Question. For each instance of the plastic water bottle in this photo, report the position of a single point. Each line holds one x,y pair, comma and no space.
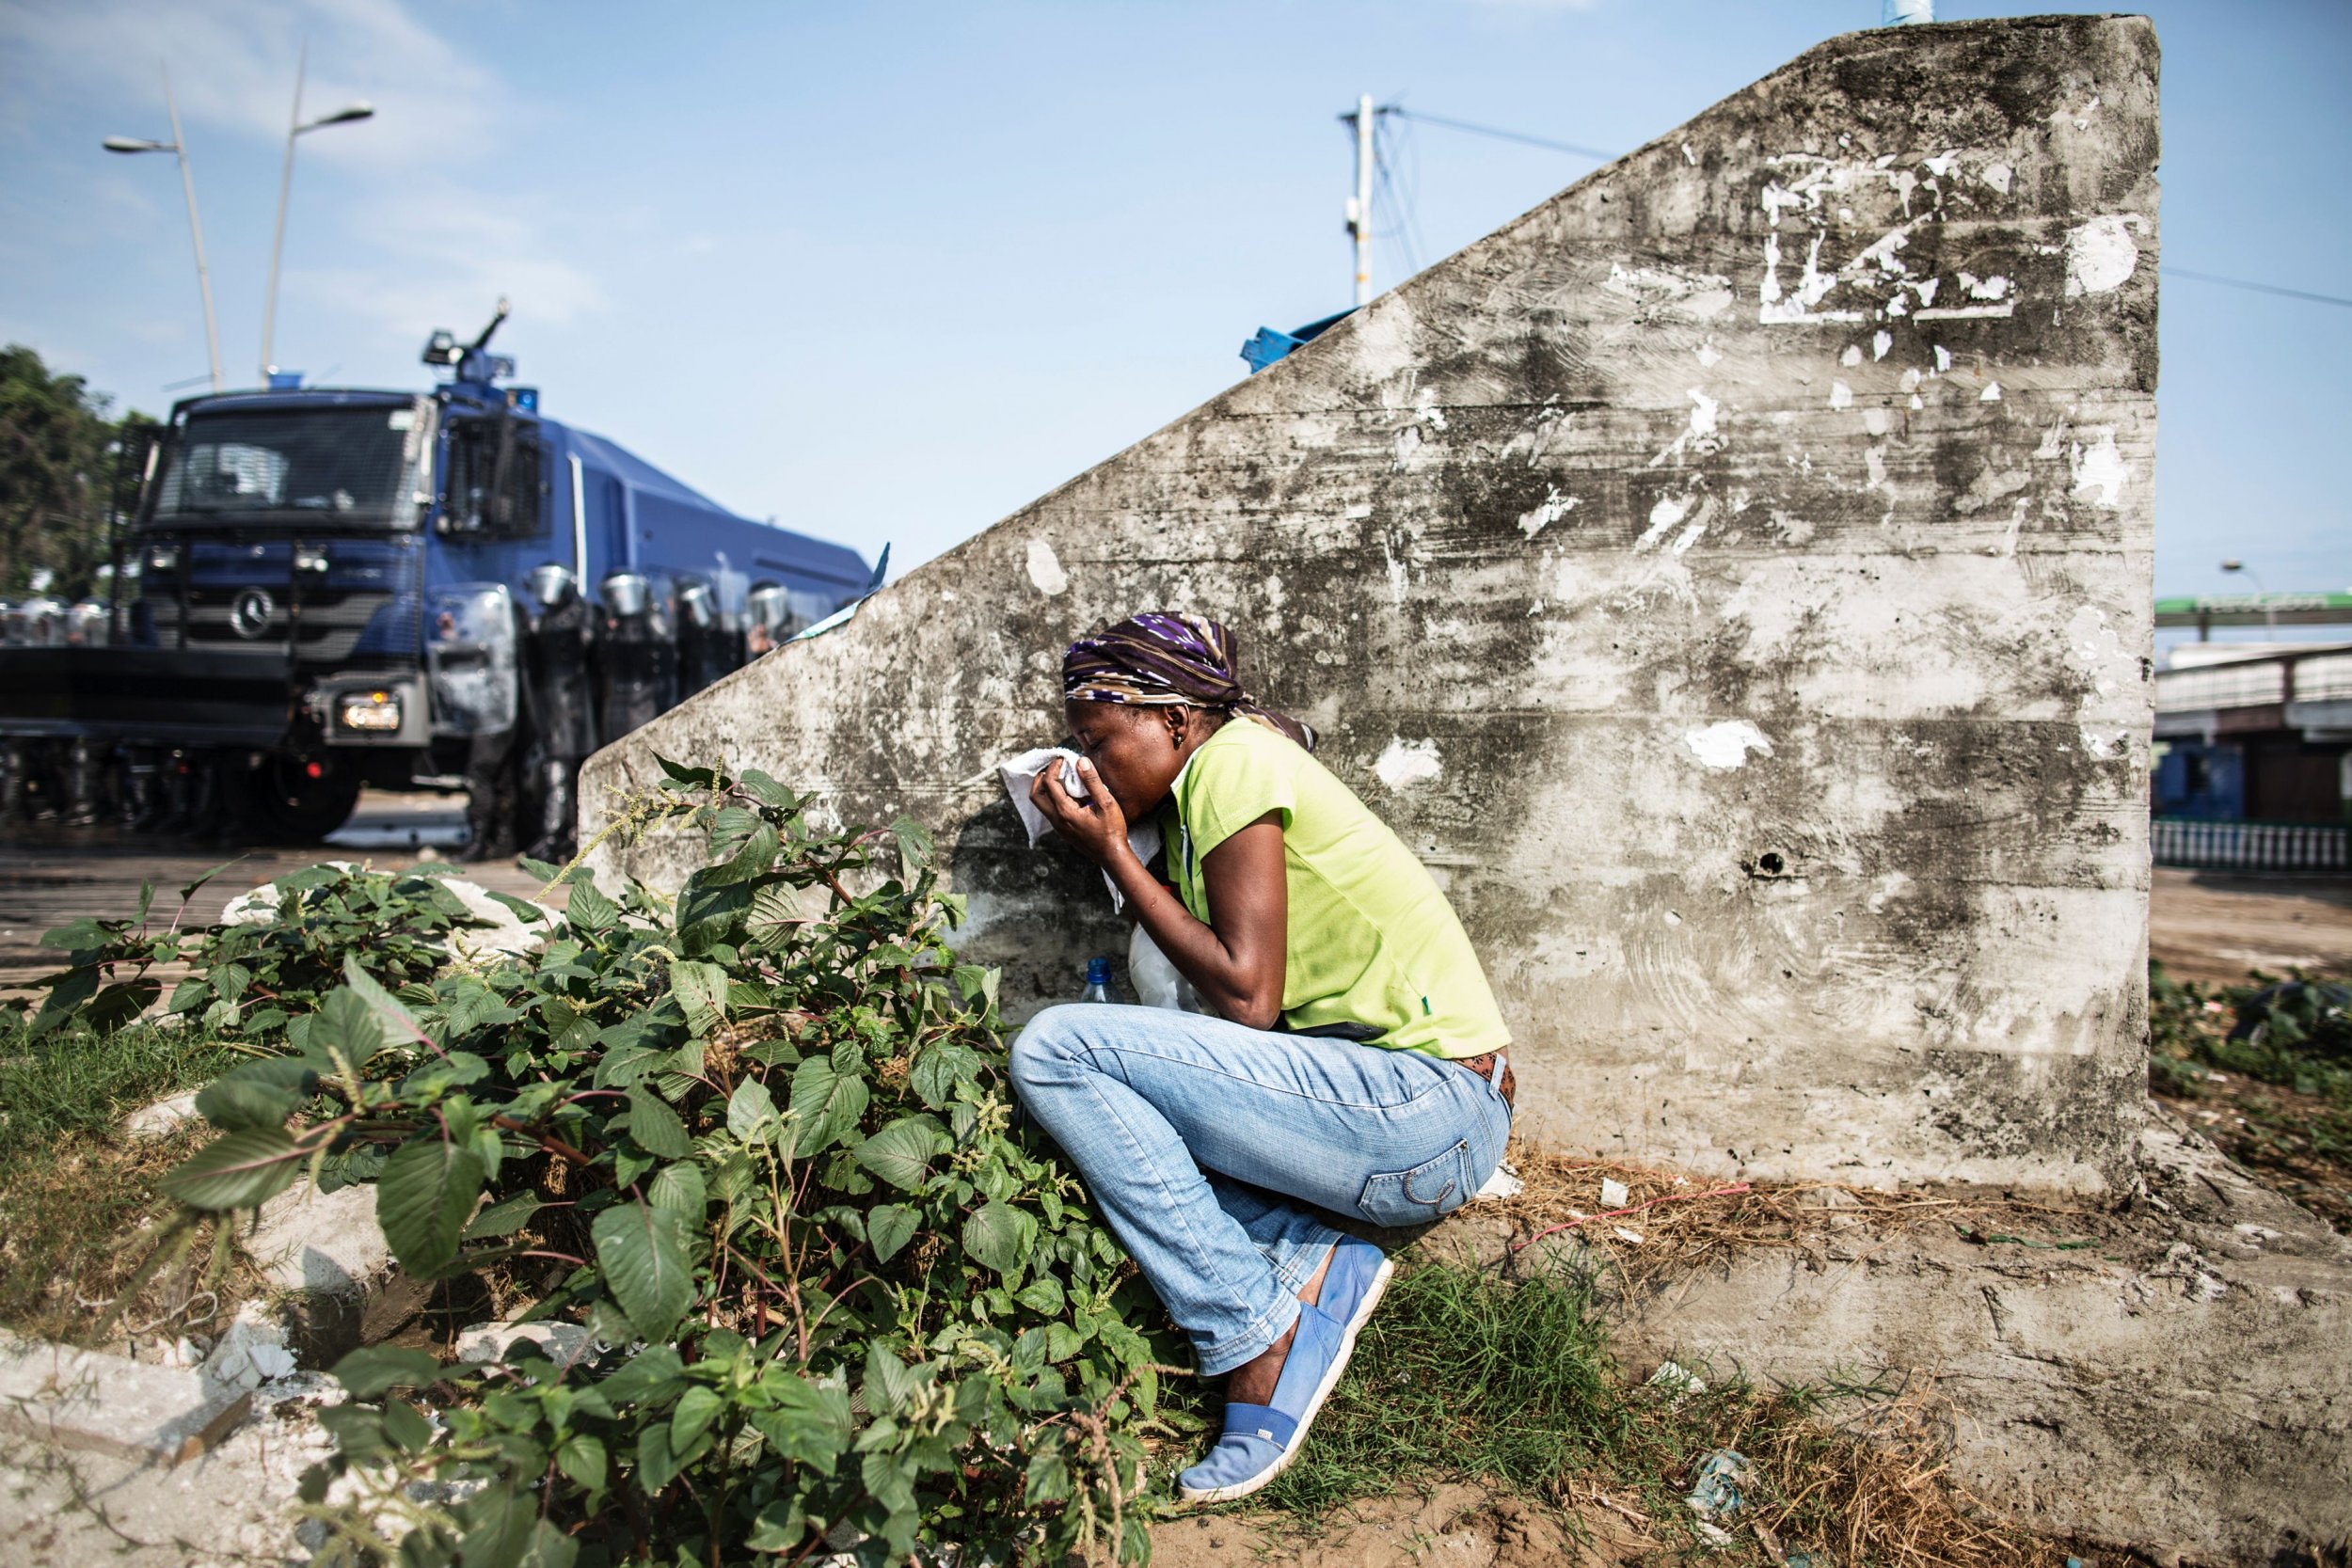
1098,981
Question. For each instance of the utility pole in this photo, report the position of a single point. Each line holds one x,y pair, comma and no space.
178,147
1359,205
195,234
295,127
277,239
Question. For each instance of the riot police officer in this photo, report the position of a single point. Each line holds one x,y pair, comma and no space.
706,647
772,621
559,698
636,659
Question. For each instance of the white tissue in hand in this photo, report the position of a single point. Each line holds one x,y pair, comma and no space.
1020,772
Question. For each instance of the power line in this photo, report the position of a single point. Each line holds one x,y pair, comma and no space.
2257,287
1498,134
1395,195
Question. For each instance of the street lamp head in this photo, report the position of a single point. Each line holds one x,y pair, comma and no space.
132,144
343,116
2233,565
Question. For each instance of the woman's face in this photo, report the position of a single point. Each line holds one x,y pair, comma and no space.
1137,749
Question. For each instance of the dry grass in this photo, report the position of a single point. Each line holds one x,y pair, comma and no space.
1679,1222
79,1230
1875,1488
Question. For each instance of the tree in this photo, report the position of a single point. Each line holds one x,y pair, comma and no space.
66,471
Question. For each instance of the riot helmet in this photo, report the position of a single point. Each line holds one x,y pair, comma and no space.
626,594
552,585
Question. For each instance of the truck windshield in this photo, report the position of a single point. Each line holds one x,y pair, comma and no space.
349,464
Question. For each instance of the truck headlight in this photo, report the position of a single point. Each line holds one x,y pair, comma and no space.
369,712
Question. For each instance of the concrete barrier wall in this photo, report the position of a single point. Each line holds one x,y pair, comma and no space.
1732,577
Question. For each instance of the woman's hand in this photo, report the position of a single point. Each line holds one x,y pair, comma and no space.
1096,825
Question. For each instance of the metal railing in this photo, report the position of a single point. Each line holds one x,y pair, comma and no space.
2249,685
2250,846
2256,682
2325,677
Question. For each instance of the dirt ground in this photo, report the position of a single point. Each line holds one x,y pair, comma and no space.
52,874
2219,926
1451,1526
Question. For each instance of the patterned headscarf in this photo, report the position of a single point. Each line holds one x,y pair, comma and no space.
1162,657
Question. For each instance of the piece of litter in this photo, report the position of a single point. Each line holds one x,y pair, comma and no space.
1674,1376
1715,1535
1625,1235
1505,1183
1614,1193
1716,1495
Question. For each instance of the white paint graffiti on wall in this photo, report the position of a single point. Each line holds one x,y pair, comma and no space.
2101,255
1045,570
1726,744
1406,763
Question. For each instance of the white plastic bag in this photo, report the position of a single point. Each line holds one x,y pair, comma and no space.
1157,982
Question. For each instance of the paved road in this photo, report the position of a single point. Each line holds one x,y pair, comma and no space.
50,876
2217,926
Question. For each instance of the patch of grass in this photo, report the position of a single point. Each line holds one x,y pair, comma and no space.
1471,1375
78,1198
2277,1099
1465,1375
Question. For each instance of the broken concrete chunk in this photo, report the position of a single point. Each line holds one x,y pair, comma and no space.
491,1341
78,1399
162,1119
252,1351
502,933
326,1241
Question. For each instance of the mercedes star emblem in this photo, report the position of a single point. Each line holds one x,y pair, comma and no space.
248,617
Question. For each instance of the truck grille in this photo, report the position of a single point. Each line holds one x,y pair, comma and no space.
228,620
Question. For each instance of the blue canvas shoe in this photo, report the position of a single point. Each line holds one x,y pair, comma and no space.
1353,1284
1260,1440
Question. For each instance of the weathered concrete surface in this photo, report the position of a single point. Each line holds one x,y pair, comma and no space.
230,1507
2182,1386
330,1242
1732,577
78,1399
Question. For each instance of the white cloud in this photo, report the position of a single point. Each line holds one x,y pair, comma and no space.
233,68
431,221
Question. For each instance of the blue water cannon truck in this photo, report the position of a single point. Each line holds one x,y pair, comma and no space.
327,588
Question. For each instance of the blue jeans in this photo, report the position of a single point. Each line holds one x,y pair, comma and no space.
1191,1132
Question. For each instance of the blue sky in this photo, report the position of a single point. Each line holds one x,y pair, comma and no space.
891,271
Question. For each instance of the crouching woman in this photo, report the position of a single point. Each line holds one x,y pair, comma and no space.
1355,1065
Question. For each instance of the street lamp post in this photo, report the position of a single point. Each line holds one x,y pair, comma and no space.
295,127
2270,611
179,144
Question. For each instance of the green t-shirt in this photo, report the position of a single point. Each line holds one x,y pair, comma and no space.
1372,940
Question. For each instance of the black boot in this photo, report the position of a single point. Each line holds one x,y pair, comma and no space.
556,806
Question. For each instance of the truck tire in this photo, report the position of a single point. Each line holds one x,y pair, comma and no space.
291,806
